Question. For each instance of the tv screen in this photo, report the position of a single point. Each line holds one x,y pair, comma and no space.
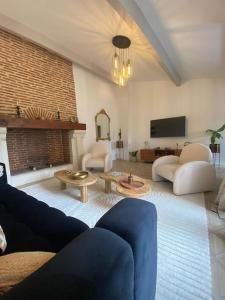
170,127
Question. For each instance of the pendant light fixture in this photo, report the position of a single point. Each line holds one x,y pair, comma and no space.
121,63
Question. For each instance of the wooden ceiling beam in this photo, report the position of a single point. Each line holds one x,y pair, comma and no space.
145,16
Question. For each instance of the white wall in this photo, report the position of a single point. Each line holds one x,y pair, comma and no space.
93,94
202,101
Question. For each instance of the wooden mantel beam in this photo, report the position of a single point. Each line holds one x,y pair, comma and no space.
144,14
15,122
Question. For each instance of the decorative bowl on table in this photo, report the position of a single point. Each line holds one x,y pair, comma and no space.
78,175
133,185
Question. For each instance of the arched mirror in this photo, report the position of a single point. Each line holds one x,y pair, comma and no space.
102,124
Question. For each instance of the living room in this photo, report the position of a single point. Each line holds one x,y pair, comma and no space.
79,137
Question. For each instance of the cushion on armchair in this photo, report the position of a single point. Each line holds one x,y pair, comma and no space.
167,171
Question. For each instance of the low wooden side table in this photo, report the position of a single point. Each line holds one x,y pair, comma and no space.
109,178
82,184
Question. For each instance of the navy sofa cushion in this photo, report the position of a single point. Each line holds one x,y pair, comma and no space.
34,222
136,222
20,237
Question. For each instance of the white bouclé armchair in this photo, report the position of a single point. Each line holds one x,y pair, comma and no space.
98,157
190,173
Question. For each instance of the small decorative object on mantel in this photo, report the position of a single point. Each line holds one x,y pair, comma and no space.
18,110
38,113
73,119
58,115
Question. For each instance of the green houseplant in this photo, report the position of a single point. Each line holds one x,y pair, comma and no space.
216,135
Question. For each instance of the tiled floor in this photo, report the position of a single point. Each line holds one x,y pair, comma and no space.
216,226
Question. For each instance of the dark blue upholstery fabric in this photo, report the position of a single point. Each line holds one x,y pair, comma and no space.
35,221
97,265
20,237
115,262
136,222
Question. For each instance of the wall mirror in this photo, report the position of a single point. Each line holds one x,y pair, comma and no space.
102,124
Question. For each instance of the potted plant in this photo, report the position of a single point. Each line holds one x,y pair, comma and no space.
215,135
133,155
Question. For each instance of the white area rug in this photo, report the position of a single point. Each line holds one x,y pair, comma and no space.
184,271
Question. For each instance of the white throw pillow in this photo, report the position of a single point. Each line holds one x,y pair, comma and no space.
3,243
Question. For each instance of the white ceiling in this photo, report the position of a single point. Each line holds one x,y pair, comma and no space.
85,28
194,30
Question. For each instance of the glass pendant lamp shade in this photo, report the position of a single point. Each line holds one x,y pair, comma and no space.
121,63
115,61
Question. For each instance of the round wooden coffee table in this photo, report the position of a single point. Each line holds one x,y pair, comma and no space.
82,184
109,177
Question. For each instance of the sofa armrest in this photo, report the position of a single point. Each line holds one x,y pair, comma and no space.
135,221
194,177
169,159
97,265
85,158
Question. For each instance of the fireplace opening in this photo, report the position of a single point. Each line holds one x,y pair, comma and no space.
33,149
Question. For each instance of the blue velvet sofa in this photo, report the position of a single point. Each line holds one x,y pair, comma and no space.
116,260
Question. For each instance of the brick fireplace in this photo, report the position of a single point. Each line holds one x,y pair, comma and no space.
32,76
32,149
34,154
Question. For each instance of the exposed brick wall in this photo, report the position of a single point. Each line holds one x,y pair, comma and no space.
36,147
32,76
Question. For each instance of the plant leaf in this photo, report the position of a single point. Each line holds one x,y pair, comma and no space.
218,135
222,128
210,131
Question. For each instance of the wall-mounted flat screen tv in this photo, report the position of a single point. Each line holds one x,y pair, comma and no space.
170,127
